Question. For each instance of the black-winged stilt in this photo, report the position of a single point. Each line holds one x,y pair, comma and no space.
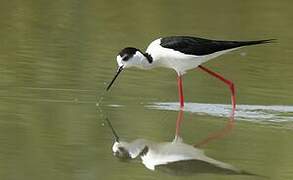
180,53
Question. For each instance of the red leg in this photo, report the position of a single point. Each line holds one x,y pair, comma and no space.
226,81
229,126
180,91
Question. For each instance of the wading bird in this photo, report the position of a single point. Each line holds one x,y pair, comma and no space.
180,53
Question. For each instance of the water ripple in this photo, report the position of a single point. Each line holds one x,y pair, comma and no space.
259,113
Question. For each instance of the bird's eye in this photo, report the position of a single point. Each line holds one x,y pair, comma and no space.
125,58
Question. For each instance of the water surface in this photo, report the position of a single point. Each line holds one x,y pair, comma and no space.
56,59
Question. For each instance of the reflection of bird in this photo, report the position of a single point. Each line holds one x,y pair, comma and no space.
180,53
174,157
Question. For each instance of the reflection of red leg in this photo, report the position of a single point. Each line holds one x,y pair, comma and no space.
226,81
180,91
217,135
178,122
229,126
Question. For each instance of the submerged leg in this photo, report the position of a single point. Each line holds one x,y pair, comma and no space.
180,91
226,81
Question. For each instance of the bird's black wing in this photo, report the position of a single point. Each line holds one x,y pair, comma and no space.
200,46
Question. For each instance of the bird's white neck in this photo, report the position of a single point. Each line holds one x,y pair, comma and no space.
138,60
143,60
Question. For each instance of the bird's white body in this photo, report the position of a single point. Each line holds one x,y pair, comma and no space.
180,62
167,152
169,58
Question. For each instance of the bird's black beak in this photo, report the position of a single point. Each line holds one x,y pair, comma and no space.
119,70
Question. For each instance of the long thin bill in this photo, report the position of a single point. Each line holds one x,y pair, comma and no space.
116,137
118,72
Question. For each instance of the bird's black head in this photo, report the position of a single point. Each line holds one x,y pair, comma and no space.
128,52
126,58
131,57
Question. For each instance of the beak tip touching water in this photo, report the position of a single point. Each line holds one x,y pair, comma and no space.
119,70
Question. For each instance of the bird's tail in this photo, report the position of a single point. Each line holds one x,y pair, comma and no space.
264,41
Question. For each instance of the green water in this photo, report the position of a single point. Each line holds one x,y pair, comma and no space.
56,59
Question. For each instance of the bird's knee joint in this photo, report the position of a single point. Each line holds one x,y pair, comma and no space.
231,84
